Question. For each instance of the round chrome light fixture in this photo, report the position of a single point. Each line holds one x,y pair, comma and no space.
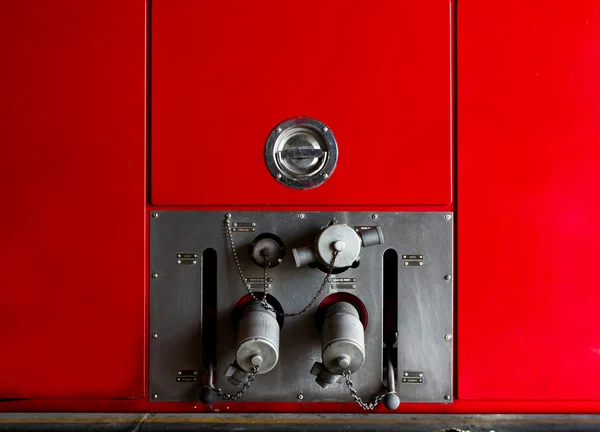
301,153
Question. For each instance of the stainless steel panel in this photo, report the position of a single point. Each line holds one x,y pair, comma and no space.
424,299
425,307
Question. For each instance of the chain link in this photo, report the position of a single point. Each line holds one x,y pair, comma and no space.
239,394
263,301
367,406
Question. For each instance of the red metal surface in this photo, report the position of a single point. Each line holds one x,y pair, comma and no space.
528,200
224,74
72,250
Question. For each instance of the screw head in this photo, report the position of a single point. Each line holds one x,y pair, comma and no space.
155,215
353,286
178,372
253,224
374,216
448,217
154,336
325,175
300,397
154,396
301,215
447,397
154,275
324,129
228,215
420,262
278,129
447,277
448,337
178,261
278,175
195,372
420,375
194,262
405,263
405,373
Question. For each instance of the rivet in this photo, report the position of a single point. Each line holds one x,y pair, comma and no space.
448,217
155,215
228,215
155,396
154,275
447,277
448,337
420,374
353,286
405,373
278,129
325,129
447,397
178,372
178,261
420,262
194,262
325,175
178,379
195,372
374,216
253,224
301,215
278,175
300,397
405,263
269,286
154,336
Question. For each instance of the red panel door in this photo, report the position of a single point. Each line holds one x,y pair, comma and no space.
529,200
72,193
224,74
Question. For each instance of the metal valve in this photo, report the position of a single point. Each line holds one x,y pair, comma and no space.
258,343
341,238
342,344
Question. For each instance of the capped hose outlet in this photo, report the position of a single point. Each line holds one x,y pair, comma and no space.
342,344
257,343
340,238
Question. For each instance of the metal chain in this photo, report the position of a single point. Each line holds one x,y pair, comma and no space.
263,301
239,394
367,406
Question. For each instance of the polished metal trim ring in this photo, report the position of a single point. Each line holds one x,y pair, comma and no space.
301,153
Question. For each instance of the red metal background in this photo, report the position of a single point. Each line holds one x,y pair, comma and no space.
529,200
225,73
73,251
72,185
